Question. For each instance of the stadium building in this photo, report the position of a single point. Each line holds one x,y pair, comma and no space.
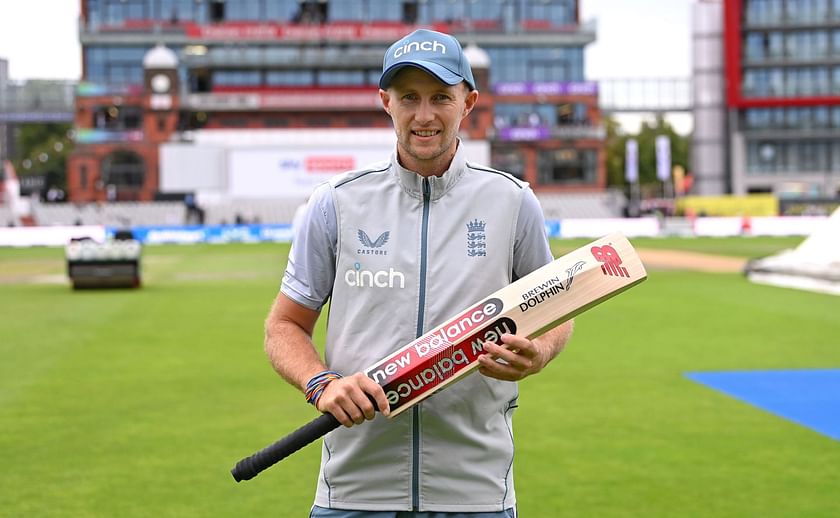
219,99
767,104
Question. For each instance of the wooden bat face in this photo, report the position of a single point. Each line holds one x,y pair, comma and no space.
529,307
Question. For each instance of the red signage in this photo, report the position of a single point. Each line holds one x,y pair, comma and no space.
277,31
320,164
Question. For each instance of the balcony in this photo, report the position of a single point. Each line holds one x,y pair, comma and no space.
311,99
101,136
542,133
36,101
177,33
284,57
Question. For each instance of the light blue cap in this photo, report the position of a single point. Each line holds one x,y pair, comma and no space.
435,52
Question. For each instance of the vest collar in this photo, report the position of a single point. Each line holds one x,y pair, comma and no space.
412,182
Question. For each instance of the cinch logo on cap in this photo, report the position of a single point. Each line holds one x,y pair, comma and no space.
428,46
436,53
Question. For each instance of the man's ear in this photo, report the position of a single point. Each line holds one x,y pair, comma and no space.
469,102
385,97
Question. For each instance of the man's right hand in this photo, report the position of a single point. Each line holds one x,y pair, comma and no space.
349,399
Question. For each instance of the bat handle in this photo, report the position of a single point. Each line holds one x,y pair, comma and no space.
250,467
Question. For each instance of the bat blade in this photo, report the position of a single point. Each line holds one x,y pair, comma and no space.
530,306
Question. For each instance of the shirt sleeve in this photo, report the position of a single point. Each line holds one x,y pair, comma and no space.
310,271
531,249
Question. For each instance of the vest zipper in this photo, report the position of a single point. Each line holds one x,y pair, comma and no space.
415,412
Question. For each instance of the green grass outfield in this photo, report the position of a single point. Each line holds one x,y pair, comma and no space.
137,403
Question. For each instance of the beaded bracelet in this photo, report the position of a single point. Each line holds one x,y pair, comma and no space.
316,385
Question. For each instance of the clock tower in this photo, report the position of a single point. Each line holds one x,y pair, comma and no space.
161,93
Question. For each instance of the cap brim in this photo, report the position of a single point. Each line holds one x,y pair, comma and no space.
443,74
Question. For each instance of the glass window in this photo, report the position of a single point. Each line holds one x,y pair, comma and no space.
749,84
181,10
446,11
514,64
763,12
484,10
822,82
835,156
757,118
795,12
775,45
821,117
123,169
508,159
777,118
775,82
818,11
555,12
793,118
346,11
341,78
384,10
790,45
754,46
765,157
236,78
290,78
567,166
280,10
507,115
243,10
812,156
114,66
820,43
791,83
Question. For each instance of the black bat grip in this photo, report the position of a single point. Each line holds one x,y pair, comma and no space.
250,467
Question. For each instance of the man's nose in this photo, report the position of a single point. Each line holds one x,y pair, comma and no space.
424,112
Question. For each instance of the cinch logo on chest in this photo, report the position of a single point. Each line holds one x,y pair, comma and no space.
361,278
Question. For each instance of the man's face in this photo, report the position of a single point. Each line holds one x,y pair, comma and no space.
426,115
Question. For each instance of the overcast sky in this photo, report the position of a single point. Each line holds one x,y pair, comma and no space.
636,38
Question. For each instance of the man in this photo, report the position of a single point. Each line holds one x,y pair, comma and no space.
397,248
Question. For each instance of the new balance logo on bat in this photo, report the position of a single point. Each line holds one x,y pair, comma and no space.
610,261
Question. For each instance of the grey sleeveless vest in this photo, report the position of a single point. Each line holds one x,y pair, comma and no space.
411,252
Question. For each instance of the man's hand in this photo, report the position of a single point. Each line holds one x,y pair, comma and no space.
349,399
522,357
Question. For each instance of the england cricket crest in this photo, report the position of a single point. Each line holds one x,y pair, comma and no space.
476,239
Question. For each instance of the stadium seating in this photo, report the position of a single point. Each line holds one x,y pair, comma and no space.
608,204
251,211
118,214
6,216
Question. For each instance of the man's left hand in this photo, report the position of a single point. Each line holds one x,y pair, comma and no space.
521,358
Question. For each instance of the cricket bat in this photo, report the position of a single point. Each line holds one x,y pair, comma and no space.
528,307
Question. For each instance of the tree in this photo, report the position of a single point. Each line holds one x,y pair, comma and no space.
43,150
646,138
